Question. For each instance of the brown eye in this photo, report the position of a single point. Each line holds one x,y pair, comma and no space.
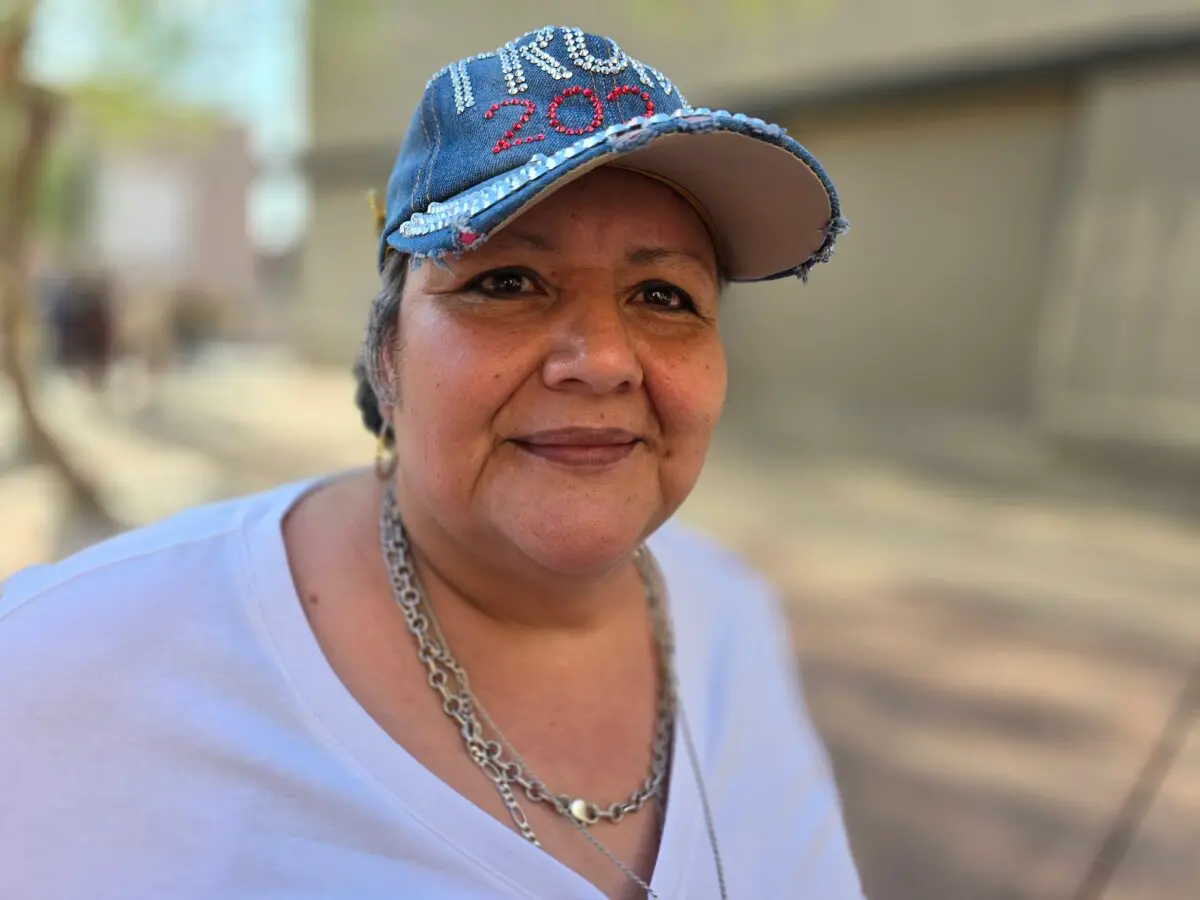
666,297
504,284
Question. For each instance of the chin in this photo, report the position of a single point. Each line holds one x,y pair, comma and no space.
580,541
575,559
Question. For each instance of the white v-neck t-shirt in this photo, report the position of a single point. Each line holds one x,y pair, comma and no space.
170,729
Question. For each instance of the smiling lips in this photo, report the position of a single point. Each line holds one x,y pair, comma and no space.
588,448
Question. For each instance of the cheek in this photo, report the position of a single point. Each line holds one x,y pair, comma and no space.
688,393
440,443
451,383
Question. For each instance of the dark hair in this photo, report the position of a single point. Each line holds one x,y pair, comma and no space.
371,383
366,401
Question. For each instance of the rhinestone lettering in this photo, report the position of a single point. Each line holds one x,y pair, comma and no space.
510,138
537,52
648,75
510,66
597,111
577,49
630,89
464,98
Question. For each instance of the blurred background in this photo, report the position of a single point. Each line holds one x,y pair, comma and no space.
967,453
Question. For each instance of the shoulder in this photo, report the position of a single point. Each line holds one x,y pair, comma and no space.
119,577
710,582
731,627
733,636
744,699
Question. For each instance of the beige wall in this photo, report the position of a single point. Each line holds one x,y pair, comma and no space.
337,276
208,170
1120,354
171,214
933,296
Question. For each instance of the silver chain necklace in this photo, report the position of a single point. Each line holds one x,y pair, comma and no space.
448,678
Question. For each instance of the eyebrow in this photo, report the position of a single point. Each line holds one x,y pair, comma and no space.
535,241
641,256
647,255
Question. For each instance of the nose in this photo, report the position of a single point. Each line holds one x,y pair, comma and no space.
593,351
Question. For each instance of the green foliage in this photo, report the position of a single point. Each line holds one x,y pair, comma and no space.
143,41
140,47
63,201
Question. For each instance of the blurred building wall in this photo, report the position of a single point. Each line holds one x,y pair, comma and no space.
1119,354
170,214
969,141
932,299
172,209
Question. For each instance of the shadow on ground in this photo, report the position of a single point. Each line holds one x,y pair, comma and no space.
983,752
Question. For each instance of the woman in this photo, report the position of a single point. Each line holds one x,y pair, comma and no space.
488,667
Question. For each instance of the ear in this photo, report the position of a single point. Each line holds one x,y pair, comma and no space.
389,371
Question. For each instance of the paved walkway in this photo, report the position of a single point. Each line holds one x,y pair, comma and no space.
989,669
989,673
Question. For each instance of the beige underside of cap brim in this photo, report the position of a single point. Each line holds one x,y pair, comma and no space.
769,209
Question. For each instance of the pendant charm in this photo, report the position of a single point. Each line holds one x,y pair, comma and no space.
584,812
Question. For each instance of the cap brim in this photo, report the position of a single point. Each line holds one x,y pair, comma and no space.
774,210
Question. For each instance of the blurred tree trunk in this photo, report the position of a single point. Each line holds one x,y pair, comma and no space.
28,114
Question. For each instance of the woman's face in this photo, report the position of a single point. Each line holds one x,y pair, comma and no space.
558,386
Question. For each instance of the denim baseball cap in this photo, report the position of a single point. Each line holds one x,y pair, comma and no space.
496,133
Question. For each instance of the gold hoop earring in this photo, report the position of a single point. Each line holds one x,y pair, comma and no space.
385,453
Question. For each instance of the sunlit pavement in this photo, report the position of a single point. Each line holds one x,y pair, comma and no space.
989,669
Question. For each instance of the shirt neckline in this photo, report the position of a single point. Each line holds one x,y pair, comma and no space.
481,840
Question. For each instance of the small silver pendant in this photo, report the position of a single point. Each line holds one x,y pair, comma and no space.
583,812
